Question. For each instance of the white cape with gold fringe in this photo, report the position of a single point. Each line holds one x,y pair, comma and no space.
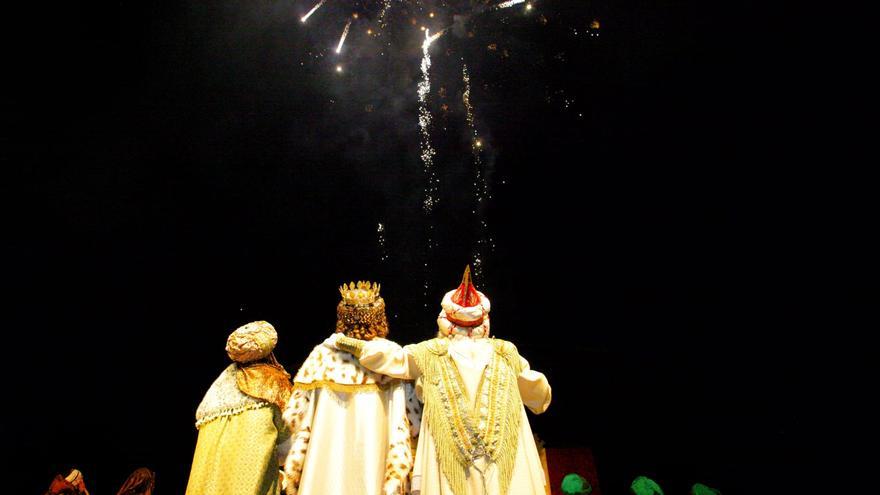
471,355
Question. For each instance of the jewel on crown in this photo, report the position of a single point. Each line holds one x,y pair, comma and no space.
360,294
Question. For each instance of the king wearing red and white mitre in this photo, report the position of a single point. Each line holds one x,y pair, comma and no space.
475,434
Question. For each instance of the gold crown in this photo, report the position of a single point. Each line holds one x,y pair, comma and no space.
360,294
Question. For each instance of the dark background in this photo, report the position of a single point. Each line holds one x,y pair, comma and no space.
179,170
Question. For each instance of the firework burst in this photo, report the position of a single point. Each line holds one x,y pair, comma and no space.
427,152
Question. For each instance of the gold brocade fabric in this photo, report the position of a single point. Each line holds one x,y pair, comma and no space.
266,381
252,342
235,455
466,429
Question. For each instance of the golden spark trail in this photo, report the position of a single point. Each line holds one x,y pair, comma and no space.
428,151
508,3
481,186
427,155
342,38
309,14
386,4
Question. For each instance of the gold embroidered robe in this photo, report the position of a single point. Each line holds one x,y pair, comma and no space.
238,437
467,362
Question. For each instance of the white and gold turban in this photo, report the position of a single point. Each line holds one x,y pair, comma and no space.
251,342
453,317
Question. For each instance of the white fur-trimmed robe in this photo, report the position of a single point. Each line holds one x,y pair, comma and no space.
350,428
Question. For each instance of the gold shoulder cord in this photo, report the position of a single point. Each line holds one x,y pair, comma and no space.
352,346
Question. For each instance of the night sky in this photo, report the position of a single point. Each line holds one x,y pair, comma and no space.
180,170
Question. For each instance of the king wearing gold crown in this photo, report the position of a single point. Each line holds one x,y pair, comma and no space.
475,436
350,427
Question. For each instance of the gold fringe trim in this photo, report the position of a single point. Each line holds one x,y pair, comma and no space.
511,413
342,387
461,434
230,412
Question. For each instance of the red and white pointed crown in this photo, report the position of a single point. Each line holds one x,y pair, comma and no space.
465,307
466,295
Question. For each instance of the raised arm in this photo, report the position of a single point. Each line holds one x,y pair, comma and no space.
381,356
533,388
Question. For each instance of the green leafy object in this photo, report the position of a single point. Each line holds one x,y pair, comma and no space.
575,484
645,486
701,489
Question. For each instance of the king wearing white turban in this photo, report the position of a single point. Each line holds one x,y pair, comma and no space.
475,437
